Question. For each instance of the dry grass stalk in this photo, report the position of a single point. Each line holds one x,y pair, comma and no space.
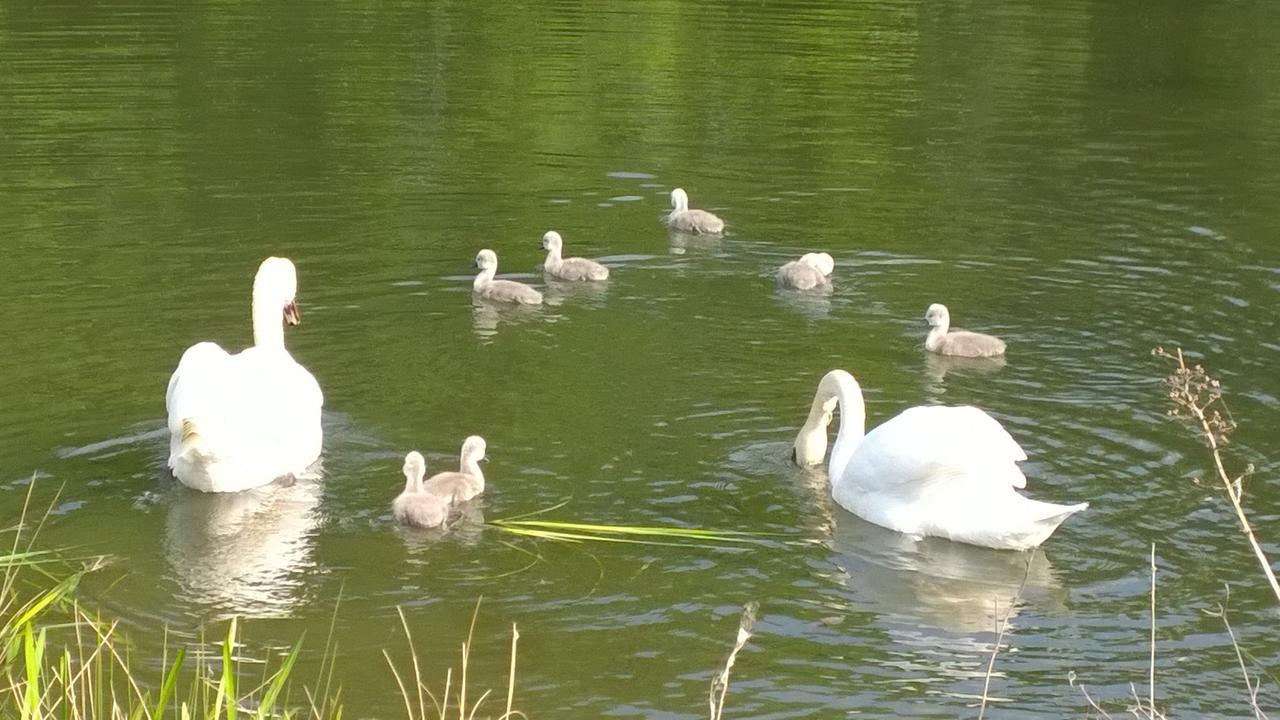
1151,679
1198,396
1000,628
1251,684
1142,708
720,683
991,662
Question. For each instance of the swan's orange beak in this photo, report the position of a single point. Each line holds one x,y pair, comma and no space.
291,314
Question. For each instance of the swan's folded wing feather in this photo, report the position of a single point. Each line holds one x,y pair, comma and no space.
926,445
198,385
576,268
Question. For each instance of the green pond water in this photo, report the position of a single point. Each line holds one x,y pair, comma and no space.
1085,179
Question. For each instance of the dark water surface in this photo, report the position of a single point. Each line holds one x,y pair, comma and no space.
1087,180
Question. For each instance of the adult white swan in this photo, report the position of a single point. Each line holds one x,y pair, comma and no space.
943,471
241,421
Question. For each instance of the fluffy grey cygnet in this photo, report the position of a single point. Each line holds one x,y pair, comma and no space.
414,506
961,343
812,270
698,222
508,291
574,268
467,482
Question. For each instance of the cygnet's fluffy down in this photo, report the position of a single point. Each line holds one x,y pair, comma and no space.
414,506
574,268
812,270
508,291
697,222
960,343
468,481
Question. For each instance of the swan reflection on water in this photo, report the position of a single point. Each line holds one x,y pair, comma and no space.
939,585
243,553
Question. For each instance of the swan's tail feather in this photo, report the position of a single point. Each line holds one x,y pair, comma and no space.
1055,514
1047,520
193,441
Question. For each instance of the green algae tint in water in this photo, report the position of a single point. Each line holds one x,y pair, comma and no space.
1084,180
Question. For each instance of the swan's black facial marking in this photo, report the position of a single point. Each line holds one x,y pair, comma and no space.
292,315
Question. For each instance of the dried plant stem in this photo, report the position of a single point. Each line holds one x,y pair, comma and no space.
1151,679
1250,684
991,662
720,683
1194,391
1074,682
1000,628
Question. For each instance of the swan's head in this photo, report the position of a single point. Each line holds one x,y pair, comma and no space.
473,449
487,260
679,200
937,315
822,261
415,467
810,448
276,286
552,241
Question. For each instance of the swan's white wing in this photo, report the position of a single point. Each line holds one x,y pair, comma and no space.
926,445
197,386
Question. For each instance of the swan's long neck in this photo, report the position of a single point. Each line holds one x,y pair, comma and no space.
679,204
412,482
471,466
936,333
554,260
836,389
268,323
484,278
853,422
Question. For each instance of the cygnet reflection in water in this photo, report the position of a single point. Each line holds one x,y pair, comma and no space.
463,528
937,367
815,303
685,243
487,315
558,292
934,583
243,553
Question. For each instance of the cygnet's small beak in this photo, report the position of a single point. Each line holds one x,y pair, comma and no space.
292,315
